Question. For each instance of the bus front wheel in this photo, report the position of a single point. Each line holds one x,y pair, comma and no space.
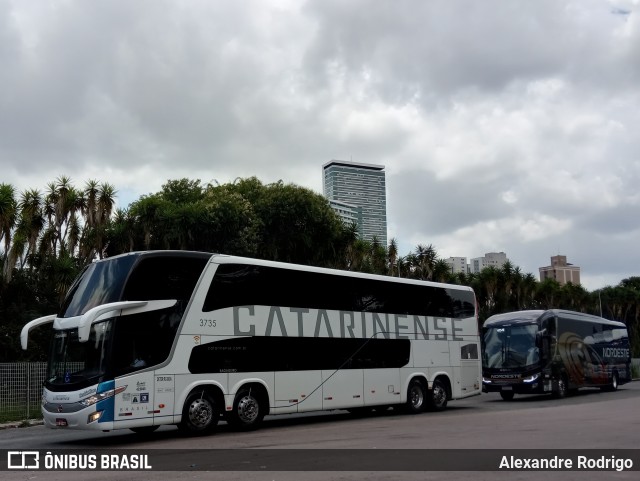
200,414
248,410
613,383
562,388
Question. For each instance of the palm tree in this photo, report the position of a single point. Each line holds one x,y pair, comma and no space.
104,207
426,259
442,271
8,214
121,232
62,202
392,254
548,293
32,220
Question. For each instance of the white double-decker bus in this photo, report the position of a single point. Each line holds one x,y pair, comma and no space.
172,337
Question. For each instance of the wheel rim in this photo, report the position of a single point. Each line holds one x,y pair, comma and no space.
417,397
614,382
248,409
200,413
439,394
562,387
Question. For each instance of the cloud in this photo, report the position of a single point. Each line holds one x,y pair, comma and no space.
503,126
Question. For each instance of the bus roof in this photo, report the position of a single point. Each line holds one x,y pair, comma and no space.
229,259
534,315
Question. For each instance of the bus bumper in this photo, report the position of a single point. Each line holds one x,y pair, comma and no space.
535,387
85,419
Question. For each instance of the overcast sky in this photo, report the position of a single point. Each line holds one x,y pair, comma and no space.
503,125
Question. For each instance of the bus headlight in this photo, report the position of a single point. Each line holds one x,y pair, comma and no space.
91,400
93,417
531,378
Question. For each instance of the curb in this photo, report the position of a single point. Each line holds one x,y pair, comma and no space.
22,424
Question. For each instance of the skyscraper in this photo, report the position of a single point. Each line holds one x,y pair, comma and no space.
359,189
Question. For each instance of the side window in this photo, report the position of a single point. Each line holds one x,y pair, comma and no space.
245,285
145,339
155,278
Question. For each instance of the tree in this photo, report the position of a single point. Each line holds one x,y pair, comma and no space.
548,293
99,201
392,254
424,262
8,214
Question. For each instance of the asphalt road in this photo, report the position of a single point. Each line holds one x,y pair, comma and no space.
587,420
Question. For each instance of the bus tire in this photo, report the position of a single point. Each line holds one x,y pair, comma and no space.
613,383
200,414
248,409
416,397
562,388
507,395
438,396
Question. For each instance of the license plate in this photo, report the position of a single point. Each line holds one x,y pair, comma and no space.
61,422
507,388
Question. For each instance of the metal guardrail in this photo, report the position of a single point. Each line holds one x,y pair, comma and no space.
21,389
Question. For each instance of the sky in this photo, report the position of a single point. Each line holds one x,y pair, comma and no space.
503,125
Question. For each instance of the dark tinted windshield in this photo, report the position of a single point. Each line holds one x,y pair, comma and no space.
510,346
74,363
134,278
100,283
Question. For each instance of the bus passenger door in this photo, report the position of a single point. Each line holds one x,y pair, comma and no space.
164,399
136,402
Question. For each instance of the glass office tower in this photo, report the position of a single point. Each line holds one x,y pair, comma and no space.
361,187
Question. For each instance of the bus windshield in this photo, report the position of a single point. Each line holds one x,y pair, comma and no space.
510,346
73,362
100,283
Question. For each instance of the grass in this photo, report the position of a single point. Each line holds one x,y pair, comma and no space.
20,415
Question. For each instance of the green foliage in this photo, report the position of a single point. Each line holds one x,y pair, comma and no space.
46,239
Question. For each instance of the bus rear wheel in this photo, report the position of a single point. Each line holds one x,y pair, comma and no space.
200,414
438,396
248,410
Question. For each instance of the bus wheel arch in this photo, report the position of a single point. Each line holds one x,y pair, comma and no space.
201,410
439,393
250,406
